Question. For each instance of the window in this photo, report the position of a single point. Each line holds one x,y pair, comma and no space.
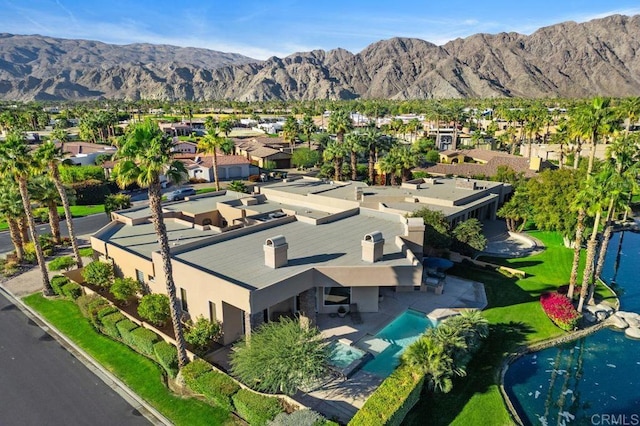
151,278
183,300
337,296
140,276
212,312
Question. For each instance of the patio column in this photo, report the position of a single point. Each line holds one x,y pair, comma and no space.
307,308
251,322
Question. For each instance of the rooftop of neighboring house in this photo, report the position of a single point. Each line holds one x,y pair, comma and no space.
75,148
493,160
201,160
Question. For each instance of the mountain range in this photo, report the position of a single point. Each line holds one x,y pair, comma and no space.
598,57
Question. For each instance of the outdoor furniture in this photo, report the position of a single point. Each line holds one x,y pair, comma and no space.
355,313
434,283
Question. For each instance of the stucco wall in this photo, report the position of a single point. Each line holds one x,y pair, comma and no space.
366,298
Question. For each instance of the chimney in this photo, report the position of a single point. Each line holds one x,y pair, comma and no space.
275,252
372,247
414,234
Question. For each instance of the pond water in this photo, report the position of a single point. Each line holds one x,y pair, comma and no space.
593,380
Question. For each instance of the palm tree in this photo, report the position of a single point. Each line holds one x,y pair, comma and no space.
16,163
429,356
561,137
353,144
373,142
44,191
210,144
624,158
340,123
290,131
595,192
12,209
51,157
398,162
308,127
226,126
629,110
335,152
144,153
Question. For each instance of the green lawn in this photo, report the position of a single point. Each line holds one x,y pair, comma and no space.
141,374
516,319
76,211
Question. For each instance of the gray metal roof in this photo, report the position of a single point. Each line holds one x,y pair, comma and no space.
241,259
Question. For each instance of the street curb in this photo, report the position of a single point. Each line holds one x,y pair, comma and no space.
137,402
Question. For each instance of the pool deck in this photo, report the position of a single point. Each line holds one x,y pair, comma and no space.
340,398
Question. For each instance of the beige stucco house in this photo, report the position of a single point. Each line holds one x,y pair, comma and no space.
299,247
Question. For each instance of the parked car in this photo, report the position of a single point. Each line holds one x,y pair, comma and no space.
179,194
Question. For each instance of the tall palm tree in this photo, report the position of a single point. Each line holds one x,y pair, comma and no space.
16,163
308,127
353,144
398,162
335,152
12,209
629,110
144,153
51,157
210,144
561,137
290,131
623,156
44,191
340,123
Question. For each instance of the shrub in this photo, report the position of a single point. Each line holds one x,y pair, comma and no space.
93,308
193,370
116,202
72,290
98,273
10,267
125,327
124,289
254,178
255,408
216,387
29,253
143,340
57,282
84,301
560,310
282,356
298,418
167,355
393,399
90,192
63,262
433,156
86,252
201,333
109,324
154,308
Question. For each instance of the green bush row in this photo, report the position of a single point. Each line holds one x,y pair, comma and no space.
109,324
255,408
224,391
167,356
143,340
393,399
57,282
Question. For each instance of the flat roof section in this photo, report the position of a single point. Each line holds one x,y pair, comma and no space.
333,244
142,239
302,186
203,204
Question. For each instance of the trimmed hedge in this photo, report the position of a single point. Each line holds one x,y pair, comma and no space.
218,388
193,370
103,312
304,417
143,340
57,282
71,290
84,301
125,327
109,323
167,356
93,307
255,408
393,399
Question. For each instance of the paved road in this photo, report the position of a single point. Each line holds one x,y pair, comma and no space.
43,384
82,225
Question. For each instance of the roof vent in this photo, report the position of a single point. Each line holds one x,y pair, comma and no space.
275,252
372,247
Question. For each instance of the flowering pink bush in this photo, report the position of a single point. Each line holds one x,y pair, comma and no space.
560,310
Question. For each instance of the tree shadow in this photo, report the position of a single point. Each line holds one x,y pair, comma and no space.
435,408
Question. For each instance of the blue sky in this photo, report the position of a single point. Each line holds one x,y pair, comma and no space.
261,29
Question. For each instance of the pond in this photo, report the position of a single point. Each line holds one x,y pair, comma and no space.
592,380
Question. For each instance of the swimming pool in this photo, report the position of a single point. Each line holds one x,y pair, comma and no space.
389,343
345,358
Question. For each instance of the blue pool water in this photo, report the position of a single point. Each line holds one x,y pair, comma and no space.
344,355
579,382
392,340
437,263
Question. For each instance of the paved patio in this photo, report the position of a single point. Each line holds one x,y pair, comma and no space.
340,398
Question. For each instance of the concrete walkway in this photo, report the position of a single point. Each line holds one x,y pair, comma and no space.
30,282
